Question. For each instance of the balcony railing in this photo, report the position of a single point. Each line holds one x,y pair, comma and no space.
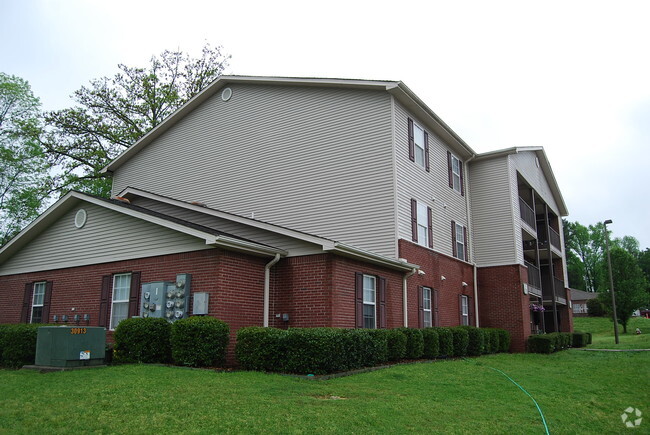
534,278
559,287
555,238
527,213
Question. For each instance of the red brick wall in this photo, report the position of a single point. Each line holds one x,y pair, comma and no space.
436,265
502,303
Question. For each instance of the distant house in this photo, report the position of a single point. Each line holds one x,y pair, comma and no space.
298,203
579,299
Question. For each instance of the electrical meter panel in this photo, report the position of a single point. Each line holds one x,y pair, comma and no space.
169,300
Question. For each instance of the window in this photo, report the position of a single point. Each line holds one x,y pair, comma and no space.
426,307
459,241
421,224
464,310
38,299
418,144
369,301
455,167
120,300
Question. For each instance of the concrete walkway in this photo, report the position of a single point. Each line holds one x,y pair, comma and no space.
617,350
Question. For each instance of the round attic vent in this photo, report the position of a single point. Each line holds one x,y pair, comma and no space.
80,218
226,94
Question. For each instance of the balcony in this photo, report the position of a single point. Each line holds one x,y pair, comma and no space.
554,236
527,213
534,278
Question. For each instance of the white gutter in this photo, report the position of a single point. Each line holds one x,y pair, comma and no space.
343,249
405,295
267,286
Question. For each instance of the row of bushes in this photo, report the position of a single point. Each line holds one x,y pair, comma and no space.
553,342
328,350
18,344
194,341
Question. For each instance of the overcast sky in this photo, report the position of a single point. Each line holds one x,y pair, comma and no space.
572,76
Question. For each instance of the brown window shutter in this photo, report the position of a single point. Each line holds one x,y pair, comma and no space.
462,177
133,296
381,312
430,226
27,303
426,151
470,311
449,170
414,220
460,310
465,245
411,141
47,298
103,301
435,308
453,238
420,307
358,299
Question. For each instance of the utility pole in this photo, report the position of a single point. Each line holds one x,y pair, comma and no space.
611,280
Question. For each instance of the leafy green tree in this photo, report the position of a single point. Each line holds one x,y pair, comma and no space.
629,243
629,286
23,168
113,113
584,248
644,263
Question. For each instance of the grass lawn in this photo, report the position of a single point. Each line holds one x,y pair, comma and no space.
578,391
603,330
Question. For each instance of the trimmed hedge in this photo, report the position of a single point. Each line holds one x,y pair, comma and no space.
311,350
476,340
504,340
549,343
414,342
579,339
446,339
396,344
461,340
588,337
199,341
431,343
491,340
142,340
18,344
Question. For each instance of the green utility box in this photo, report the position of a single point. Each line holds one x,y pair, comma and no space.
70,346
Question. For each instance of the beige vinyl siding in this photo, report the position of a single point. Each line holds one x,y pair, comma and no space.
493,213
431,188
524,163
107,236
318,160
293,246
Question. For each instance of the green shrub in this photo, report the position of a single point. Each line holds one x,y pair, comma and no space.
461,340
565,339
579,339
143,340
491,340
595,308
476,340
396,342
414,342
380,339
446,339
431,343
588,337
543,343
199,341
18,344
504,340
261,349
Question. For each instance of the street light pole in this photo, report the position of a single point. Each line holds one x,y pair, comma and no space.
611,280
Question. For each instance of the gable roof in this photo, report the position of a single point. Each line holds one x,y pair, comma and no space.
580,295
396,88
545,165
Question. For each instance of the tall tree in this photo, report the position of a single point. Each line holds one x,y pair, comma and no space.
584,252
23,167
630,286
113,113
629,243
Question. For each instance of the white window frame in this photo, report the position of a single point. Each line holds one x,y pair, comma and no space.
427,323
113,324
419,148
367,279
38,290
460,242
456,164
423,224
464,310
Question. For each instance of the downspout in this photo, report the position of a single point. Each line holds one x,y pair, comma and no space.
471,232
267,286
475,294
405,296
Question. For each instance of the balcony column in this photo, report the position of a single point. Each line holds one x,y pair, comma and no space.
551,268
